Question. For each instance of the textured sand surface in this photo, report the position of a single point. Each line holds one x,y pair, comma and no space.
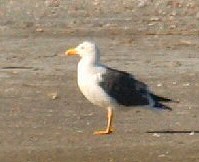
43,115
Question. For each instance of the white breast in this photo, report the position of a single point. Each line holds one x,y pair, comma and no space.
88,79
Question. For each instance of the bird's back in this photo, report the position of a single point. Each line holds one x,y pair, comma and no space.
124,88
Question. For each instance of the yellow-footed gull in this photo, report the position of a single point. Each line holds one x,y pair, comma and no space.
107,87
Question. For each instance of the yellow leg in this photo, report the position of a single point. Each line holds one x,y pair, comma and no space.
109,129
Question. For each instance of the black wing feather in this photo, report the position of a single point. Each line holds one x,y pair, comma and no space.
124,88
128,91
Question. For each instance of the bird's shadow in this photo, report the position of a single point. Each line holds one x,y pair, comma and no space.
174,131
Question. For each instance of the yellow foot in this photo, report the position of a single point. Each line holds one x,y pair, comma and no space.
103,132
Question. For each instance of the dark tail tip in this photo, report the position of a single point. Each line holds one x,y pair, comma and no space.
161,106
162,99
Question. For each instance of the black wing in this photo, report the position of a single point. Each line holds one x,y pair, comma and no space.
127,90
124,88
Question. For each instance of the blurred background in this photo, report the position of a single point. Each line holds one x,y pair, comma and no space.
44,117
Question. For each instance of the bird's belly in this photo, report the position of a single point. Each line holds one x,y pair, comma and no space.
96,95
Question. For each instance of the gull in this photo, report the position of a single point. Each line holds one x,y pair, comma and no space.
110,88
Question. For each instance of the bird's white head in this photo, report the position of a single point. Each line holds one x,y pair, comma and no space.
84,49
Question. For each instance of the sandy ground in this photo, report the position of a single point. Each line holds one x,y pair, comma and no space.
43,115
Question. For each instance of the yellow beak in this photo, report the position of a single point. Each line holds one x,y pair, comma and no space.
71,52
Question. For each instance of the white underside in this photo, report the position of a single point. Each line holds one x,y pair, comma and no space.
88,79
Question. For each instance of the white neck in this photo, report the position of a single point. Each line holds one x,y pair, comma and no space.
91,59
